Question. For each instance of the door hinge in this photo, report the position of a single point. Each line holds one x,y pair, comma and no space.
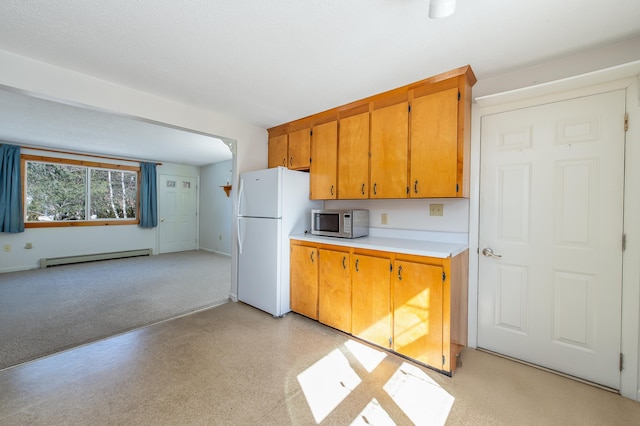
444,277
621,359
626,121
624,242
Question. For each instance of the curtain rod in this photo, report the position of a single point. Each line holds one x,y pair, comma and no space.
58,151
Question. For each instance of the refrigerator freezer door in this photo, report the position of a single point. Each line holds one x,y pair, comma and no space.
259,274
259,194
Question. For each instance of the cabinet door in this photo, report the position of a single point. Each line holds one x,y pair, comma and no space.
324,161
304,280
353,157
434,145
334,292
278,151
389,151
299,149
371,299
417,310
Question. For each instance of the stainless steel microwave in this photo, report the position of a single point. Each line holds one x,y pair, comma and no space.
340,223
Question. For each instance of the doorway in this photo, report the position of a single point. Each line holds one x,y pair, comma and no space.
550,235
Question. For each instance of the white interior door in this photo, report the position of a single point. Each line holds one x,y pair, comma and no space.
551,205
178,209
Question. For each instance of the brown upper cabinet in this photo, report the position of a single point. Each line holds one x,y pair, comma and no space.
409,142
389,151
300,149
324,161
353,157
278,151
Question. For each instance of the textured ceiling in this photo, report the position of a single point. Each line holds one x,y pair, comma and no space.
272,61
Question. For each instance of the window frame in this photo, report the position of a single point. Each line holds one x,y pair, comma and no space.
83,163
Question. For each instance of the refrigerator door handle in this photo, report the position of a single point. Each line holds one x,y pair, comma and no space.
239,237
240,198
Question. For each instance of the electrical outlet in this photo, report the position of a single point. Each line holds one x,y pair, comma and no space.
28,246
436,209
7,247
384,219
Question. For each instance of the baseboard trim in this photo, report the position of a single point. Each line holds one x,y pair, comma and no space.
214,251
18,268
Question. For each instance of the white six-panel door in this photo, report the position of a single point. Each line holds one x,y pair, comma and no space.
177,211
551,211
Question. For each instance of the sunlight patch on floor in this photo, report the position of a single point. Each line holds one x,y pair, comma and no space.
369,357
373,414
419,396
327,383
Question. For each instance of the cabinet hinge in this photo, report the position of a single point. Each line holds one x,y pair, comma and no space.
444,277
621,359
409,108
390,267
457,187
624,242
626,121
458,95
310,132
407,189
443,359
390,342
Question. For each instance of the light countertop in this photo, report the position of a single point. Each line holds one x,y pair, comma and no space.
429,248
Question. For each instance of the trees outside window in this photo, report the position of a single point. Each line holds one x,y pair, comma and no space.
78,191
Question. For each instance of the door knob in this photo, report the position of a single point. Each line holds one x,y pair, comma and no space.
489,253
161,220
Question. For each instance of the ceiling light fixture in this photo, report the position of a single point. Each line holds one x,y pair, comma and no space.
441,8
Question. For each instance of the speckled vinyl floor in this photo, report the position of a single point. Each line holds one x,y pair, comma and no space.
236,365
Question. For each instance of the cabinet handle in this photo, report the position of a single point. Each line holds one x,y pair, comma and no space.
331,189
344,262
375,185
312,256
415,187
357,260
363,189
291,161
400,273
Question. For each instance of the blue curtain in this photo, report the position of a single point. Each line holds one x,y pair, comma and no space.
148,196
11,219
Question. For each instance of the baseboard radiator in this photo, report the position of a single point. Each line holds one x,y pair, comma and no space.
55,261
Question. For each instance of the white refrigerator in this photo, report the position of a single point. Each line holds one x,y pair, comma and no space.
272,204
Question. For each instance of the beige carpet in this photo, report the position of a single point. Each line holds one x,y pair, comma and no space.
236,365
47,310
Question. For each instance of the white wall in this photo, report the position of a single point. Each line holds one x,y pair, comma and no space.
412,214
216,209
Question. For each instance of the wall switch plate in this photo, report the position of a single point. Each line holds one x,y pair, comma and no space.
28,246
384,219
7,247
436,209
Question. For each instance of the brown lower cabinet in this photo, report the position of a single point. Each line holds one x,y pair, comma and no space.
412,305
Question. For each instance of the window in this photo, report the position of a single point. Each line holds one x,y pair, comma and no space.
60,192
